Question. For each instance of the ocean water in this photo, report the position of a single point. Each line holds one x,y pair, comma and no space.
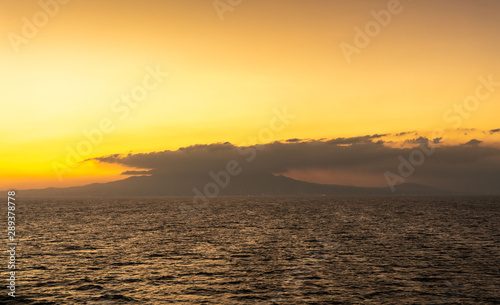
323,250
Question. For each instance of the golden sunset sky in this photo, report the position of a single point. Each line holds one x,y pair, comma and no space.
227,77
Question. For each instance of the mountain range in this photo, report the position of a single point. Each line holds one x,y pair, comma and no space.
242,185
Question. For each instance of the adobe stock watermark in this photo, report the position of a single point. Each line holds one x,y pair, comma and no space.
223,6
31,26
121,107
456,115
363,36
222,178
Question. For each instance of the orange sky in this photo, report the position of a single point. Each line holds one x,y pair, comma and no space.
226,77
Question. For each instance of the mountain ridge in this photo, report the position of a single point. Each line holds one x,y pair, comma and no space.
243,185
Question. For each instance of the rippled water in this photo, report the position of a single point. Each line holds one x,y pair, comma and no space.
259,251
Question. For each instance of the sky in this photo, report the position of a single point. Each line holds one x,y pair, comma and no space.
83,80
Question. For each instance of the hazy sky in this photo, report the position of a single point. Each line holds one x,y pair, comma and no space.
227,78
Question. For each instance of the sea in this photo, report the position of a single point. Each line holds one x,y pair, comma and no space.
257,250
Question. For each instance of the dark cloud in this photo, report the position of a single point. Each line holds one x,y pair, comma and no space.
420,140
437,140
494,130
355,140
136,173
404,133
463,167
293,140
473,142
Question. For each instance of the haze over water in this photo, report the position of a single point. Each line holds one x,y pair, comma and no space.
319,250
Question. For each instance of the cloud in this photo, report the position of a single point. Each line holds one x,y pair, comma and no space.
461,167
420,140
356,140
404,133
494,130
473,142
136,173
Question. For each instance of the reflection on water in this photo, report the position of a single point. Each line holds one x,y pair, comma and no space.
260,251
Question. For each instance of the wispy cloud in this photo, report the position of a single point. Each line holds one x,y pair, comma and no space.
494,130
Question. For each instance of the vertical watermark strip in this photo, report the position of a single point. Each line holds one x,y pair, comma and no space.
11,241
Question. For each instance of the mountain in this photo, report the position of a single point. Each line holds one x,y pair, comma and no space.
242,185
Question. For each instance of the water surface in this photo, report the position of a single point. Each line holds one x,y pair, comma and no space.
324,250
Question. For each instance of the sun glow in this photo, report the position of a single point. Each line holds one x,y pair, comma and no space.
227,77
